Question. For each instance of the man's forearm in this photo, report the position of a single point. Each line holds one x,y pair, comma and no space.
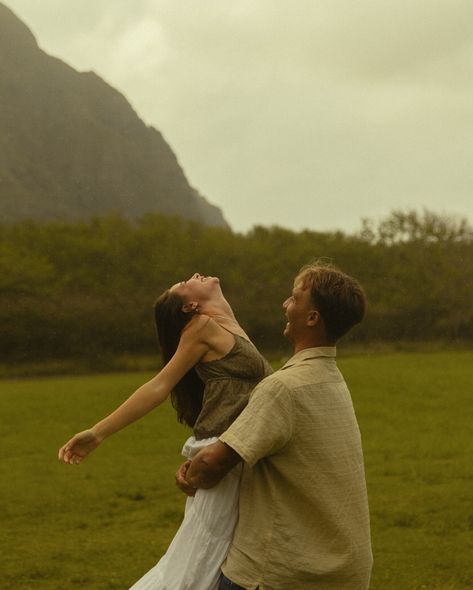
211,464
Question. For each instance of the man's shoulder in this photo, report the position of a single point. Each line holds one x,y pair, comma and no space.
273,380
286,379
309,372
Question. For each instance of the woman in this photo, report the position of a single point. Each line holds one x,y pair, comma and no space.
210,367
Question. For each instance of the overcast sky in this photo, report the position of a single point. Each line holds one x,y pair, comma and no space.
305,114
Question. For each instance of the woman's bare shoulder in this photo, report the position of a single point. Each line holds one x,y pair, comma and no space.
199,327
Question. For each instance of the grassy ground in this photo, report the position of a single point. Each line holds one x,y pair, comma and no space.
102,525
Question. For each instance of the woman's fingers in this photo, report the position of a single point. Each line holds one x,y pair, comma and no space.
66,454
76,448
181,481
63,453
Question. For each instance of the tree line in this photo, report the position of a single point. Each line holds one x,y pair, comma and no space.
87,288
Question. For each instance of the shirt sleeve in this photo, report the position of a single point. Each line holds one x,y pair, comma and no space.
265,425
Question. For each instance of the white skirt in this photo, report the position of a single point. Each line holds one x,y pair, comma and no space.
194,557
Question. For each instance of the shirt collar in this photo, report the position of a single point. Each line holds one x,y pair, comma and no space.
311,353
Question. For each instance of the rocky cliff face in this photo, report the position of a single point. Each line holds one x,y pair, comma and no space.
72,147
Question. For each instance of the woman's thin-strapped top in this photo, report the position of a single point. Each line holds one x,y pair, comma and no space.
228,382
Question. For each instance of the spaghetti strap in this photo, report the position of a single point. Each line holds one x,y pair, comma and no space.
245,337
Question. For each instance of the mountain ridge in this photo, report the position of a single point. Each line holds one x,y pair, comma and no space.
73,147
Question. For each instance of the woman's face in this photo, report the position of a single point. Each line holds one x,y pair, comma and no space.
197,288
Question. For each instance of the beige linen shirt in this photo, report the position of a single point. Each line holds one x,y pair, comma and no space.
304,521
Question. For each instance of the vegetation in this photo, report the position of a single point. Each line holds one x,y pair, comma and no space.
103,524
87,289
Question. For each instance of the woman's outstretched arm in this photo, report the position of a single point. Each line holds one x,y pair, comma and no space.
192,347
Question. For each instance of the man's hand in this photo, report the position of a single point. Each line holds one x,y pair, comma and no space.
181,481
210,465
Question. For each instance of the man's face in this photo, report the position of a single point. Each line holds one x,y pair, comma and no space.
298,307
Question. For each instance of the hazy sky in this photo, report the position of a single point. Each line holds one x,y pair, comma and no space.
305,114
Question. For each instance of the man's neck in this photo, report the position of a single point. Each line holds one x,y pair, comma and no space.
312,343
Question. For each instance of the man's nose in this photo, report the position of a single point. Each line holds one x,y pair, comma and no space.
285,303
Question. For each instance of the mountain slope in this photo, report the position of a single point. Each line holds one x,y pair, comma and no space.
71,146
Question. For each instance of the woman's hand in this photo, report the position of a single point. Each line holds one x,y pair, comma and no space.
181,482
79,447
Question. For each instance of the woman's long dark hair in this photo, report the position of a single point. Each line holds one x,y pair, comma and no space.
187,395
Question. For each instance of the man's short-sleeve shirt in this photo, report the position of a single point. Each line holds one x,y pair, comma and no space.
304,519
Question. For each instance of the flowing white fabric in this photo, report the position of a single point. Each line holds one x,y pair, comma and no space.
194,557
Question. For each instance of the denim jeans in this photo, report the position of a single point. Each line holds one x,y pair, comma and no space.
226,584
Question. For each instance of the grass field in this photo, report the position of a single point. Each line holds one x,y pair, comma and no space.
101,525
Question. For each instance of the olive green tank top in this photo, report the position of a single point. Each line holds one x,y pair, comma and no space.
228,382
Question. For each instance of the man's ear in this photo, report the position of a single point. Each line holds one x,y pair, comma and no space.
313,318
191,307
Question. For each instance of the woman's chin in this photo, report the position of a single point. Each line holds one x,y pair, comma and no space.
211,280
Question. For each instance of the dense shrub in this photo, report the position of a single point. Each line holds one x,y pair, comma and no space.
87,288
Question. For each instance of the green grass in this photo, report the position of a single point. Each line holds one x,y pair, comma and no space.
103,524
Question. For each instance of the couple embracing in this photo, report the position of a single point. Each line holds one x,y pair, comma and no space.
274,472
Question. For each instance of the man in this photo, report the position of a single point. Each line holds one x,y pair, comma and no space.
304,521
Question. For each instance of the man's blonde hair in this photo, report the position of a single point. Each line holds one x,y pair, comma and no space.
339,298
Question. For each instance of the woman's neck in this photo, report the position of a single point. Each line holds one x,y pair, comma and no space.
223,314
218,309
